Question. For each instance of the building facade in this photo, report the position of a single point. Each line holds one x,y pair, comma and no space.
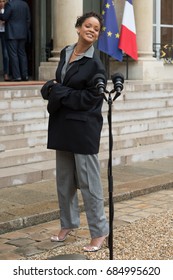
53,27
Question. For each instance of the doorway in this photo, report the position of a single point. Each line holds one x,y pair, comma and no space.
40,35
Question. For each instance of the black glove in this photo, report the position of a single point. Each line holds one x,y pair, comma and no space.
46,88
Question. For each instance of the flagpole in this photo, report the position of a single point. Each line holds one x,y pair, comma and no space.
127,67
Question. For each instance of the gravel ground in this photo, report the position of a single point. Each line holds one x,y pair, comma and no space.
147,239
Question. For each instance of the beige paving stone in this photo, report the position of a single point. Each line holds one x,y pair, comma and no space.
10,256
14,235
128,203
28,251
50,224
83,233
164,198
155,202
141,214
20,242
39,236
129,218
118,206
154,210
166,206
3,240
6,247
33,229
126,211
140,206
48,245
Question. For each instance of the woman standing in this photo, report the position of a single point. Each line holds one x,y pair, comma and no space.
75,123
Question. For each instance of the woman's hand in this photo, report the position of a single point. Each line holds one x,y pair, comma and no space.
45,90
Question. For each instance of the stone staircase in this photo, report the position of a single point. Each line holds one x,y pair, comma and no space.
23,135
142,123
142,127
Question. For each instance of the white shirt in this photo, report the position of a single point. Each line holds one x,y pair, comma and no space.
2,24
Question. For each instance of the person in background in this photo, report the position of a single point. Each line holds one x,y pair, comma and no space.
75,123
5,57
17,22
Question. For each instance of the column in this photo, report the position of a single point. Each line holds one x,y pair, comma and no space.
144,27
147,67
64,16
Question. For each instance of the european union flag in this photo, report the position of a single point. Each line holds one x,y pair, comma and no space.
109,37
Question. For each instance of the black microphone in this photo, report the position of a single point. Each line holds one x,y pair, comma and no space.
99,81
118,80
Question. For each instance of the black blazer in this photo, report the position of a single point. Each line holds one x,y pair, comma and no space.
75,120
17,19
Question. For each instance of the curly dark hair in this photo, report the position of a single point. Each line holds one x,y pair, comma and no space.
81,19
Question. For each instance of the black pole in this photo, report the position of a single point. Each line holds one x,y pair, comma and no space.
99,82
110,179
110,175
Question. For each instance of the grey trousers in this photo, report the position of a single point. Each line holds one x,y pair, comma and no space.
75,171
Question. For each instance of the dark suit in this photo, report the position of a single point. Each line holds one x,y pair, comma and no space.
17,22
74,106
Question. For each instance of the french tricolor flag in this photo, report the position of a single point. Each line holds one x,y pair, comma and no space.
127,40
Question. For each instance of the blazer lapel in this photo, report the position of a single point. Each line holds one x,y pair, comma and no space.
74,69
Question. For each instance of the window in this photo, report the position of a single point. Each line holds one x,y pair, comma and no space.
167,12
163,27
166,21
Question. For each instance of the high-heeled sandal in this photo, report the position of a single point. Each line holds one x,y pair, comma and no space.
55,238
92,248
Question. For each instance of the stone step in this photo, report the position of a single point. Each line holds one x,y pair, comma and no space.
26,174
25,110
142,127
143,86
137,139
23,103
117,116
119,128
27,98
26,155
18,92
140,104
137,154
17,127
143,115
45,170
19,141
145,96
29,140
39,138
133,90
137,126
132,105
129,104
22,114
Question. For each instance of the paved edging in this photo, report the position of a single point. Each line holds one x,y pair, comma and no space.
32,220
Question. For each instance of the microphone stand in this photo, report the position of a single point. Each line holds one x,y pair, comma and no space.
110,176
